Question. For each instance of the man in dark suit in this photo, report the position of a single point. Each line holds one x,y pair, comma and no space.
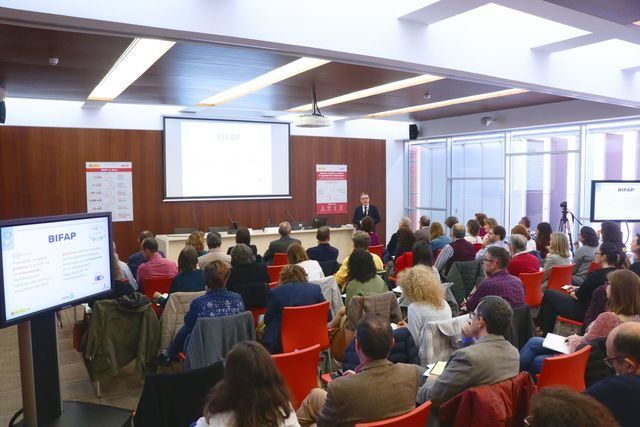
365,210
324,251
379,390
280,245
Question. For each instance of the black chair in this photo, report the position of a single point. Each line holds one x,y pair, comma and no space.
329,268
176,399
522,327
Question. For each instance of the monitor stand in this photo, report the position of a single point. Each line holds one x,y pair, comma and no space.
40,379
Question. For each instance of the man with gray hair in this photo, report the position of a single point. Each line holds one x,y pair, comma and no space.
214,243
458,250
361,240
521,260
282,244
422,233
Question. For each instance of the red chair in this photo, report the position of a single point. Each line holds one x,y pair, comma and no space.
532,288
274,272
300,371
477,247
279,258
305,326
377,249
416,418
155,284
594,266
565,370
403,261
560,275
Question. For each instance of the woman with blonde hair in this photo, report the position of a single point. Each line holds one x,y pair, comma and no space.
196,239
296,255
437,238
422,287
558,254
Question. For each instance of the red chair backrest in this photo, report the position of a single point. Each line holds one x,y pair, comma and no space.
594,266
274,272
279,258
565,370
405,260
477,247
305,326
437,254
376,249
300,371
560,275
416,418
157,284
532,288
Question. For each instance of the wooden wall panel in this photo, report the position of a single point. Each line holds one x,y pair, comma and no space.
42,172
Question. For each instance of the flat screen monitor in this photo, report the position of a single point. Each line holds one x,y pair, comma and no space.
615,201
225,159
51,262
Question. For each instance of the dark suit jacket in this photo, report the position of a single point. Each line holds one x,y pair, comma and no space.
323,252
281,245
380,390
248,273
289,295
358,215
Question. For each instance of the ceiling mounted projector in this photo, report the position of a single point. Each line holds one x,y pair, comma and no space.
313,120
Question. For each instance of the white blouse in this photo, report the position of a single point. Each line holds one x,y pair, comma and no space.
228,419
312,268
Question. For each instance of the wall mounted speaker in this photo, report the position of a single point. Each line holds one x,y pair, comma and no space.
413,131
3,112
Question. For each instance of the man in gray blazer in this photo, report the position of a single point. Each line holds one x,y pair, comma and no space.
280,245
489,360
378,390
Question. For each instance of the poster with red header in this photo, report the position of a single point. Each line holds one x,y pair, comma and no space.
331,189
109,188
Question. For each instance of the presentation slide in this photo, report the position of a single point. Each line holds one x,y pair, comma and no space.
225,159
615,201
51,264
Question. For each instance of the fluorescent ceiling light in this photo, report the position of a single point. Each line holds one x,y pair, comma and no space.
293,117
448,102
388,87
136,59
274,76
506,26
614,52
637,23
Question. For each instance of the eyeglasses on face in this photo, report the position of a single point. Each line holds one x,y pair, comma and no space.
609,360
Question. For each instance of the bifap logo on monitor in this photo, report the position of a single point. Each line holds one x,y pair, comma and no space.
61,237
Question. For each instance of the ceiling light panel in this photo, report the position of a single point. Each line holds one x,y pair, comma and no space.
377,90
274,76
136,59
615,52
507,26
448,102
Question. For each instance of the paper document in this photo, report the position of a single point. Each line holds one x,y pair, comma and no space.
438,368
397,289
556,343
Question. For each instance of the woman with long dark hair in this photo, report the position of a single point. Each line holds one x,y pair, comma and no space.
363,279
252,392
544,238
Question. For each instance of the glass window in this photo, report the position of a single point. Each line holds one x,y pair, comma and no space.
478,157
469,196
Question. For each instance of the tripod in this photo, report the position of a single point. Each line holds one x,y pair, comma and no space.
564,225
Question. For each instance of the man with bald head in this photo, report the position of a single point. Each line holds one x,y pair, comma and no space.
458,250
620,393
282,244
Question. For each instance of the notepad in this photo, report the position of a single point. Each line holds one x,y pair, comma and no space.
556,343
438,368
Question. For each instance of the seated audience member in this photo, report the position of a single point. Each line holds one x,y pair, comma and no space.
401,239
562,407
362,279
437,238
473,228
620,393
422,233
360,240
324,251
214,241
450,222
294,290
575,304
422,289
635,248
216,302
423,255
498,282
296,255
494,238
490,360
489,223
368,226
281,244
584,255
521,229
189,278
623,303
155,264
249,372
543,239
526,223
558,254
244,268
377,390
243,235
480,217
521,260
610,233
138,258
123,272
458,250
196,239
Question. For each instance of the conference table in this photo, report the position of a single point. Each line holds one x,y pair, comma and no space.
172,244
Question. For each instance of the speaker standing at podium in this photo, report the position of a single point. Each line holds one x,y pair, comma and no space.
365,209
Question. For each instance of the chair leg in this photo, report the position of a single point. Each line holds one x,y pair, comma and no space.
96,388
